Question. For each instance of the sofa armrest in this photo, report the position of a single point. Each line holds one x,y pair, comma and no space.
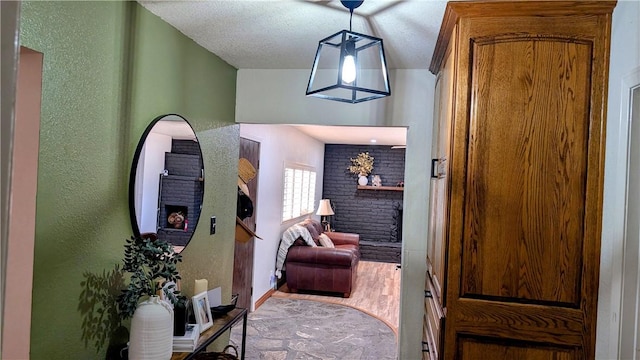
320,255
340,238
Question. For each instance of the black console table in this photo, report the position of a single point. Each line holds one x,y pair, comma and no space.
220,325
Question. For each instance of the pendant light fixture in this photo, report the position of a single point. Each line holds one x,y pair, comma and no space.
349,67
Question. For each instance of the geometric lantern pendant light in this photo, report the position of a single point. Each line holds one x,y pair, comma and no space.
349,67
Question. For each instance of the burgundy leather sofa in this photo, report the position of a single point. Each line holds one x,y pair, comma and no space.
324,269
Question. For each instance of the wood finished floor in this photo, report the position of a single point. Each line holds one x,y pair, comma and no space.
377,292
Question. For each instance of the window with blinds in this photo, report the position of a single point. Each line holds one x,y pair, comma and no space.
299,191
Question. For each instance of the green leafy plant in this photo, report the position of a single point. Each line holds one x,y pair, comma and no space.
362,165
151,264
175,297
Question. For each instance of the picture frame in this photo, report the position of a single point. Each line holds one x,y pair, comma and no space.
202,311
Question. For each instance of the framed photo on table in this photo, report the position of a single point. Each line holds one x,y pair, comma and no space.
202,311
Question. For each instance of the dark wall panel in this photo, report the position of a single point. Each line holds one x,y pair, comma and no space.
372,214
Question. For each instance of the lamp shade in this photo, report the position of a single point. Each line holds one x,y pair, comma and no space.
325,208
349,67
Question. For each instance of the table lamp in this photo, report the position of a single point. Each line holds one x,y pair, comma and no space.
324,210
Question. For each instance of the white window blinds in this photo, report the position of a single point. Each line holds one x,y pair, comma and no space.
299,191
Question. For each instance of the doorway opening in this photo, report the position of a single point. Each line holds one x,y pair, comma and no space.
313,147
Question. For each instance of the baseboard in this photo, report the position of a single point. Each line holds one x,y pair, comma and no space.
264,298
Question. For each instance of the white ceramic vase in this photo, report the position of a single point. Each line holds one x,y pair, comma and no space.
151,336
363,180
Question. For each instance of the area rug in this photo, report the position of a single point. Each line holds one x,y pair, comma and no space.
287,329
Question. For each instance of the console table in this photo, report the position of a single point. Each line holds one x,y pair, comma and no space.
220,325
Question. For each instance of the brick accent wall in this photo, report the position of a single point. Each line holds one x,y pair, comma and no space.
381,252
370,213
183,164
185,147
182,188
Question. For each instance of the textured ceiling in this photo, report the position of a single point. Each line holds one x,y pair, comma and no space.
355,135
284,34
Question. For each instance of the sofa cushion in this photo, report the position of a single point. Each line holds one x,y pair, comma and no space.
347,247
352,248
321,257
299,242
325,241
318,226
314,228
314,234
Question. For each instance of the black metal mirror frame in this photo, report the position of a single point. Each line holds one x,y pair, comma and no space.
134,169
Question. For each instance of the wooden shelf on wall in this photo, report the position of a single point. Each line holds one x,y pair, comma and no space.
385,188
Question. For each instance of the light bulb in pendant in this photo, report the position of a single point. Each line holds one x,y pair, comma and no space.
349,69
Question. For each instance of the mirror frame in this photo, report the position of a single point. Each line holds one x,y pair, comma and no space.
134,169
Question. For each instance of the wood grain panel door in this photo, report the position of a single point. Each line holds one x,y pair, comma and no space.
243,252
526,189
435,286
441,176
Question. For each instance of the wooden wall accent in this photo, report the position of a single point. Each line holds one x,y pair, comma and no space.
243,251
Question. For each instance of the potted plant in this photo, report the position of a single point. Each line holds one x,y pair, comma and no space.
151,263
362,165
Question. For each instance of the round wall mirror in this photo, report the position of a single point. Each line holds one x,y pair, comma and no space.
166,185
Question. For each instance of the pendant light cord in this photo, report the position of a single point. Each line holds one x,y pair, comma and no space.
350,18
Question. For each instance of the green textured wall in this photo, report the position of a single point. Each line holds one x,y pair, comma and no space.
109,69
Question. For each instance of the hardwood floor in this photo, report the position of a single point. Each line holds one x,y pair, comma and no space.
377,292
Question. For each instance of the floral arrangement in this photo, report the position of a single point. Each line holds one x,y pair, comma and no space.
362,164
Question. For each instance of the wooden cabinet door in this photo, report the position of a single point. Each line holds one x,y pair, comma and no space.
526,189
433,323
440,176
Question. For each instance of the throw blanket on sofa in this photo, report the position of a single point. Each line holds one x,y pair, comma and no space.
288,237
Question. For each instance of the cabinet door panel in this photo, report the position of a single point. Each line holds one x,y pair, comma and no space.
527,167
439,220
526,178
434,321
481,348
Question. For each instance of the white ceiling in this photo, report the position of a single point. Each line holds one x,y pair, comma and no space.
356,135
284,34
174,127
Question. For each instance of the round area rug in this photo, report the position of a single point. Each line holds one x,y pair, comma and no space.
287,329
